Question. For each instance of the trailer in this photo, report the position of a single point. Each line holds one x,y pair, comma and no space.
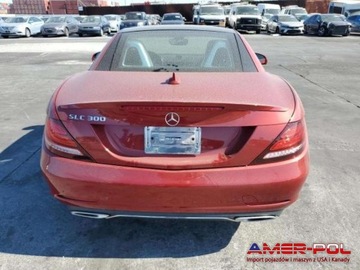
345,7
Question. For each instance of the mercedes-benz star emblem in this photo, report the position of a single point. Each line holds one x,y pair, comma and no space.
172,119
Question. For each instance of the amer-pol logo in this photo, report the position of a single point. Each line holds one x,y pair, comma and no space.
172,119
321,252
298,248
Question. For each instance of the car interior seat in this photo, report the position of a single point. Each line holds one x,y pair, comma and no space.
135,55
217,55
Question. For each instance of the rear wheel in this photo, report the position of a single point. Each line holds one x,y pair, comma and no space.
45,35
5,36
258,31
277,31
27,32
80,35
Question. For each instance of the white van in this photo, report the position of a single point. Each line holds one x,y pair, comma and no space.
245,17
209,14
270,9
267,11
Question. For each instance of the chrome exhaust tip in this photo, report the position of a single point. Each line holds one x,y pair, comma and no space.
254,218
90,215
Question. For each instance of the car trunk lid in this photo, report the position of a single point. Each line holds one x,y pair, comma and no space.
234,117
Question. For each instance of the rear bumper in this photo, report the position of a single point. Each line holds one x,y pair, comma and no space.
225,192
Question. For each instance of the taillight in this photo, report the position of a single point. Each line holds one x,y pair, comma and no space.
288,144
56,137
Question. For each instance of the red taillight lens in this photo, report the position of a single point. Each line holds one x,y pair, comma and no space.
288,144
56,137
292,135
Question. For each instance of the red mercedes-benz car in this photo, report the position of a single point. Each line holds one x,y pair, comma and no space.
176,122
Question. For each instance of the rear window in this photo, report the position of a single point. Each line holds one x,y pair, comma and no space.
181,51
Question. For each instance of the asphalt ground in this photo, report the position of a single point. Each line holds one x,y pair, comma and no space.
37,232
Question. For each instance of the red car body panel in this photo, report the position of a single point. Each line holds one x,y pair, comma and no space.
259,188
227,114
240,169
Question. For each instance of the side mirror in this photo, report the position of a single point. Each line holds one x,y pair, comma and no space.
94,56
262,58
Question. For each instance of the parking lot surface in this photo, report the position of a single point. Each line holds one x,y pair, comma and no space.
37,232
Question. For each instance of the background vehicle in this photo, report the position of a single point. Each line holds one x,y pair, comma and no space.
94,25
210,15
154,19
227,9
238,152
327,25
245,17
172,18
355,22
134,18
344,7
21,26
294,10
272,9
4,17
267,11
80,18
60,26
303,17
284,24
114,21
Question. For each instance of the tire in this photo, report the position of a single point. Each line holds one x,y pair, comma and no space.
267,29
5,36
45,35
67,33
321,31
27,33
277,31
80,35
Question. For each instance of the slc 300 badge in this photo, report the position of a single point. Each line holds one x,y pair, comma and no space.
89,118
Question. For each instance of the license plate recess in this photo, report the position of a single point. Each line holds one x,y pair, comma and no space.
172,140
